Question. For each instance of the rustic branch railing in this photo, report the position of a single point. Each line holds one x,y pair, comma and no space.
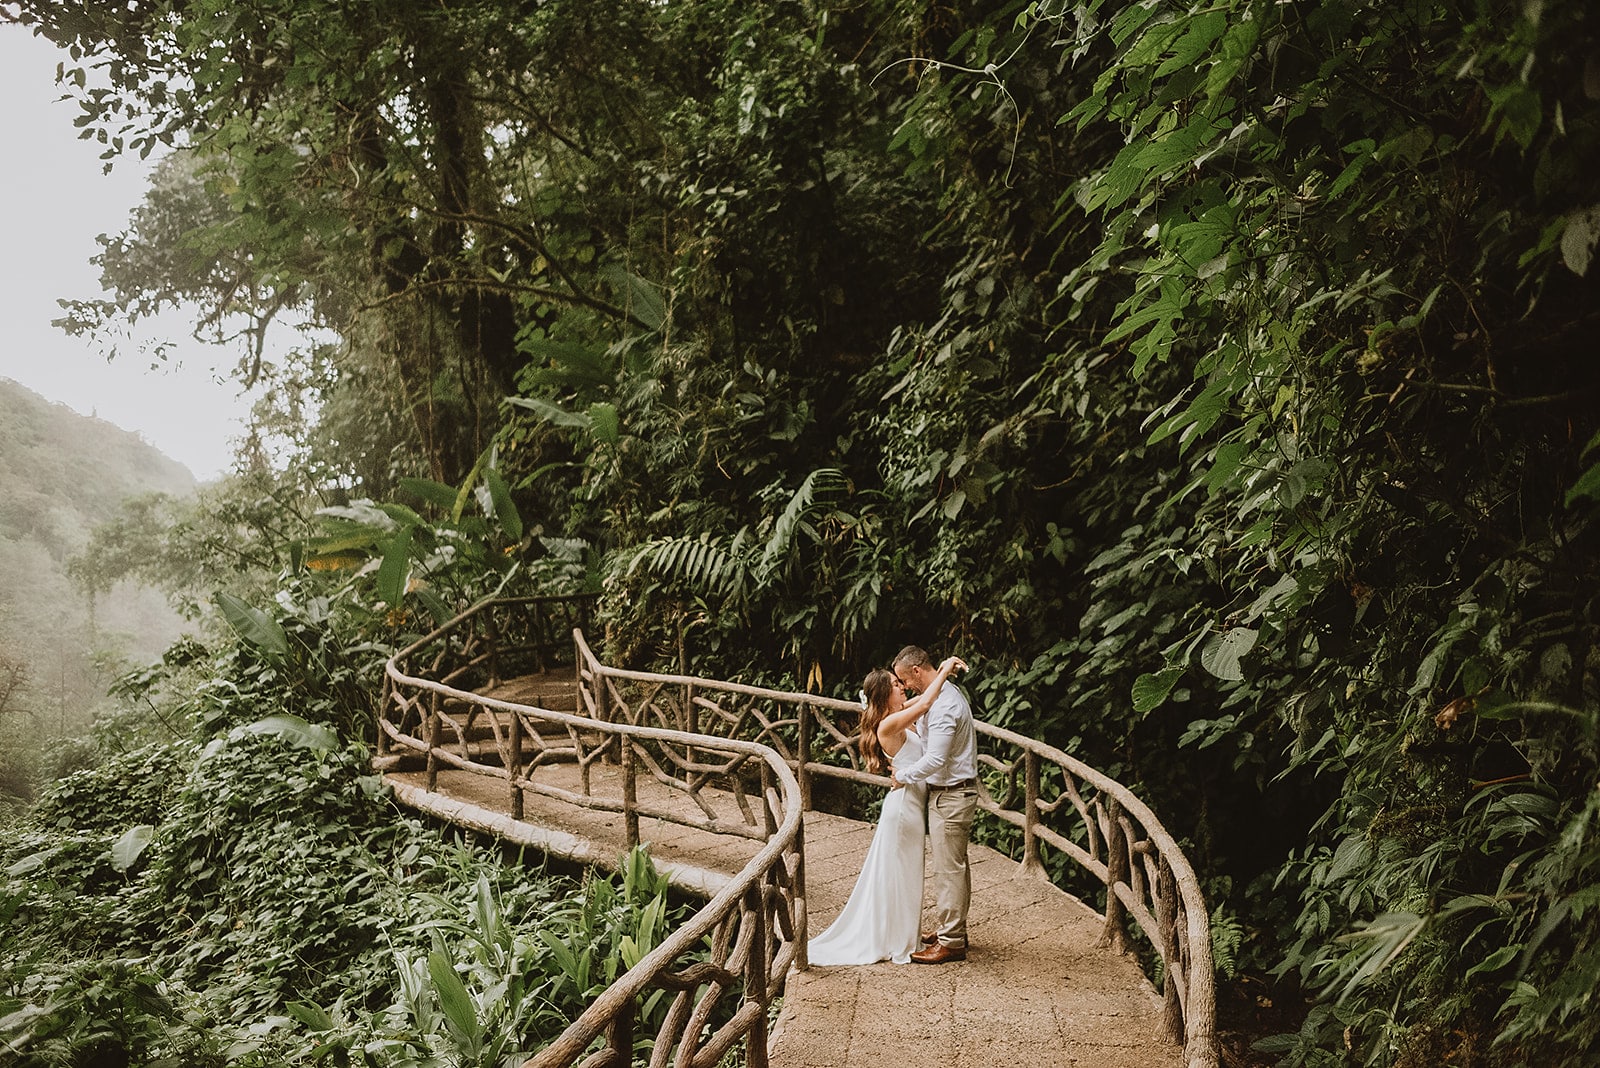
706,738
725,965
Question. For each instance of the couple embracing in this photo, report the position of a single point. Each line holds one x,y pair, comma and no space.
932,746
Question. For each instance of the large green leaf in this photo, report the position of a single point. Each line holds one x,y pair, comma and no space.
600,420
34,861
406,517
394,573
1225,465
363,513
505,509
253,625
551,413
454,1000
1196,419
575,365
126,850
437,494
641,299
313,1016
333,544
437,609
1588,484
295,731
1202,29
1578,239
1383,940
814,488
1152,688
1222,652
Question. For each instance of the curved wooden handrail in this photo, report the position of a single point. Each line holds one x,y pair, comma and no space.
754,923
1053,798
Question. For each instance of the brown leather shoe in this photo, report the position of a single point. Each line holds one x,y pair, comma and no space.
930,937
939,953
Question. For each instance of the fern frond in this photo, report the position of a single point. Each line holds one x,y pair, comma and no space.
708,566
1227,935
791,520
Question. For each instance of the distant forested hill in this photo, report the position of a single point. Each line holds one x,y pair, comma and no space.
60,474
60,470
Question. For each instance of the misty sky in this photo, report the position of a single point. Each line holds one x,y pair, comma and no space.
54,200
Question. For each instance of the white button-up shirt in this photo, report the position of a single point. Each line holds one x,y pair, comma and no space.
950,742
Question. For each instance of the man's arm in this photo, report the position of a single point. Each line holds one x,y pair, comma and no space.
941,737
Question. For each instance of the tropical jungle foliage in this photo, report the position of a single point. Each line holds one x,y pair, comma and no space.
234,886
1214,377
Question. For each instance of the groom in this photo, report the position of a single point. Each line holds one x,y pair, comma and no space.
949,766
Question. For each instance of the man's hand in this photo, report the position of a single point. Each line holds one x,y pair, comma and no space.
894,783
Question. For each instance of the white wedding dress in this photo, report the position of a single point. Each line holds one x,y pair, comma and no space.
882,918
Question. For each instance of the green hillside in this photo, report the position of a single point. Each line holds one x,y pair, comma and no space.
61,471
60,474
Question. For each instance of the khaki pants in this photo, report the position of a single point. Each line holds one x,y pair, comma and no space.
950,815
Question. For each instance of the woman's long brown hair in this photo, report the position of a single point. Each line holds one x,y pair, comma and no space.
878,685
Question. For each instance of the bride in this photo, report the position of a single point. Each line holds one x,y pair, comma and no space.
881,919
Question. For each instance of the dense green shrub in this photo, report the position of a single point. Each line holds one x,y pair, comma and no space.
279,879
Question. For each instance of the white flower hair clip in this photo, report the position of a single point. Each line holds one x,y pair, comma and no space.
863,695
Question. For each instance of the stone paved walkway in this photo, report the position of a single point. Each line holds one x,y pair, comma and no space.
1033,991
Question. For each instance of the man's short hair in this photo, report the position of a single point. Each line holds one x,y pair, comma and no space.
912,656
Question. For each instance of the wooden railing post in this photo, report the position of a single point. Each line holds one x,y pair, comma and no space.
514,746
797,880
756,966
602,696
491,635
577,671
619,1036
769,818
1032,867
803,771
689,719
385,702
691,715
1117,862
1166,902
541,637
435,729
630,797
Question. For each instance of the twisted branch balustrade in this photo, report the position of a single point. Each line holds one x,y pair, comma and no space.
682,731
723,967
